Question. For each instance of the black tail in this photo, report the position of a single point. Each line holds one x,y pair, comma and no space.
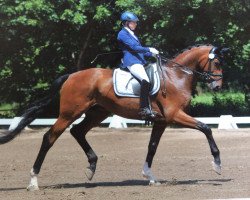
35,109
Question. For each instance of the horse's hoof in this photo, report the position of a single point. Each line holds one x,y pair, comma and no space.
32,188
154,183
89,173
216,167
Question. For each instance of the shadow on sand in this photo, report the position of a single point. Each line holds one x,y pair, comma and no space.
215,182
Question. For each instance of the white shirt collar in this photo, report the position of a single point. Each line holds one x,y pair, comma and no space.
131,32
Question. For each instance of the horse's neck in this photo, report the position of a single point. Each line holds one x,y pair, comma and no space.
179,80
180,76
189,58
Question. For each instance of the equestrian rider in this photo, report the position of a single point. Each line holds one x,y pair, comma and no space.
133,59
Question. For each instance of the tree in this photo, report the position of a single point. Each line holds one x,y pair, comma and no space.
43,39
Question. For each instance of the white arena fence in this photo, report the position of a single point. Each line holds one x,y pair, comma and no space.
224,121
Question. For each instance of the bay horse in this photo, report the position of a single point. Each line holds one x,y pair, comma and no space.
91,92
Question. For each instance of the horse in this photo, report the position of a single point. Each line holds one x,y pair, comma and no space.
91,92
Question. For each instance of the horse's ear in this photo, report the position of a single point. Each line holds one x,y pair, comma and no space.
225,50
221,50
218,49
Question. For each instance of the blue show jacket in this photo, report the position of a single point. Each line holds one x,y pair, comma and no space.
133,51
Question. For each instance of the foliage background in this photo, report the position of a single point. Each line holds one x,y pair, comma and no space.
43,39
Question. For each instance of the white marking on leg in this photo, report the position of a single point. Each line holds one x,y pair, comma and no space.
33,181
216,168
146,172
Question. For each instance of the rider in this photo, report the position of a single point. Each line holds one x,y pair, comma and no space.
133,59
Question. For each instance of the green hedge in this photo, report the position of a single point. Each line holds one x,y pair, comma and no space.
8,110
216,104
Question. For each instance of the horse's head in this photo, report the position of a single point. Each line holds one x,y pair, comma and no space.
211,66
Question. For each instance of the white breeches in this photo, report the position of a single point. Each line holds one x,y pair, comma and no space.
138,71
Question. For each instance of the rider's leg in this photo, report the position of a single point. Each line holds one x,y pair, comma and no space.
145,110
138,71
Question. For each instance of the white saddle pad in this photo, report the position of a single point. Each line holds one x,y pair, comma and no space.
126,85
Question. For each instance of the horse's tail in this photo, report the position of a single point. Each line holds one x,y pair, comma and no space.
34,110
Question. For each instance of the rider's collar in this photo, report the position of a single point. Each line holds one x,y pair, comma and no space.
131,33
128,29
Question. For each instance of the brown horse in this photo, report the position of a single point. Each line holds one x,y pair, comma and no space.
91,92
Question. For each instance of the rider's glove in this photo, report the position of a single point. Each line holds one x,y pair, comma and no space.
153,51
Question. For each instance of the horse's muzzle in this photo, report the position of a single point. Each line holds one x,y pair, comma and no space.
215,86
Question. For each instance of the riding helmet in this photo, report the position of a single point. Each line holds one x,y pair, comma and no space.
129,16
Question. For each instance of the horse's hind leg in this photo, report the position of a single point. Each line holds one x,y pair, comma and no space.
68,114
188,121
49,139
94,116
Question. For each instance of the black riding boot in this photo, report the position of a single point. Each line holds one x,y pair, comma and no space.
145,111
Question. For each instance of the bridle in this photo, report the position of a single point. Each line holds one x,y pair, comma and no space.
207,76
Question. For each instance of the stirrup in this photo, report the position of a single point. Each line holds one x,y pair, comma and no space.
147,114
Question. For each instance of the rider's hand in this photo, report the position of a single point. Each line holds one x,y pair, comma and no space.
153,51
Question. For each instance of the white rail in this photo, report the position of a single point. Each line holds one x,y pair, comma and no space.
224,121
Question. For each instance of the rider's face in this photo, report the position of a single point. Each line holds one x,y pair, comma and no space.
132,25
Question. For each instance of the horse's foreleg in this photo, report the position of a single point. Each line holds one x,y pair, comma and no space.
94,117
155,137
188,121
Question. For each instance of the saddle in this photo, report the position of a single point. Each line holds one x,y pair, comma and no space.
125,85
